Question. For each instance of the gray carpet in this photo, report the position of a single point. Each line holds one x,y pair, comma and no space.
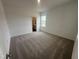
39,45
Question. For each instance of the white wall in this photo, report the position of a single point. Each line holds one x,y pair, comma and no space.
62,20
4,34
38,22
19,25
19,15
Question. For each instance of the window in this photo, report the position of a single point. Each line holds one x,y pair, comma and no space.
43,21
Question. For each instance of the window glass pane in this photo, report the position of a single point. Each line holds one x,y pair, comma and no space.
43,21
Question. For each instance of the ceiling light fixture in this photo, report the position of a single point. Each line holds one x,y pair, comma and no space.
38,1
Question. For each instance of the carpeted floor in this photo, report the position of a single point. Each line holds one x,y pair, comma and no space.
39,45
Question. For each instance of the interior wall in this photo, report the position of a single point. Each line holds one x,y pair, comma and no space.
38,22
4,34
19,18
62,20
19,25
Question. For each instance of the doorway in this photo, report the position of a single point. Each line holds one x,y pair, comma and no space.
34,24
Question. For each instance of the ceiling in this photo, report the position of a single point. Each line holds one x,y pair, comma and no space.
30,7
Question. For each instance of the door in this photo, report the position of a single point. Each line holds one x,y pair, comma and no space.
33,24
